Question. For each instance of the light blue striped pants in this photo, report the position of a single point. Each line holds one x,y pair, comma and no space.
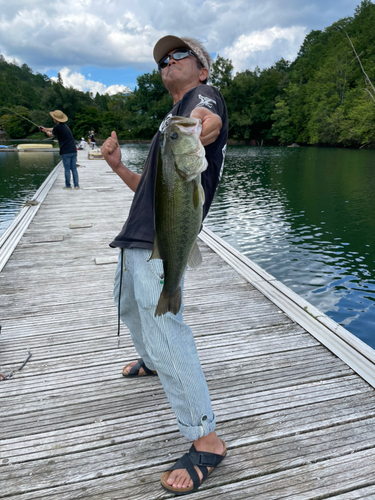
165,343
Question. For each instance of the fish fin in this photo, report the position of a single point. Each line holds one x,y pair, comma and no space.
195,257
169,302
155,252
203,196
196,193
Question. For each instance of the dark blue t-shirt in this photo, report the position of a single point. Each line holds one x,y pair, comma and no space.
65,138
138,230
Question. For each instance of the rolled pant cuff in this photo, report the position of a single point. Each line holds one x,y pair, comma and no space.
192,433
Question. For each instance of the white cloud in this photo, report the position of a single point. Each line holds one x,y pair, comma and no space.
78,81
122,33
116,89
283,42
76,35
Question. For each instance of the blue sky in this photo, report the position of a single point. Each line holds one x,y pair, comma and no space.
102,46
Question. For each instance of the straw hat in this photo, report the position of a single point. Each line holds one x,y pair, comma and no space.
59,116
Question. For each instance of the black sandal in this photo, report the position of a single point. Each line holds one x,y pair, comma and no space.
134,372
200,458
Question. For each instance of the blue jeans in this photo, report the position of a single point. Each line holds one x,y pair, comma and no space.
70,164
165,343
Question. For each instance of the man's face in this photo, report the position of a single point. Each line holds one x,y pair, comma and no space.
182,73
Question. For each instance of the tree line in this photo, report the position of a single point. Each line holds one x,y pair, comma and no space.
323,97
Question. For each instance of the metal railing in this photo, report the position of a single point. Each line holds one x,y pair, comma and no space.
13,234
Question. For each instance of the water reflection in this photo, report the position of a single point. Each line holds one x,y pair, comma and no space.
21,174
305,215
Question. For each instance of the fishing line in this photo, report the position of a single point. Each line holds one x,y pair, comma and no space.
22,116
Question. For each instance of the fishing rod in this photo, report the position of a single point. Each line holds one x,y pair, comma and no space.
39,126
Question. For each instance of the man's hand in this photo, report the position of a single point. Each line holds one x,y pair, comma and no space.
112,152
112,155
48,131
211,125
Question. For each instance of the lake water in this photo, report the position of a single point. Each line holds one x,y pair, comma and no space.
21,174
305,215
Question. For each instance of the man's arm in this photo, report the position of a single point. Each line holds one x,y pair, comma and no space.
112,155
48,131
211,124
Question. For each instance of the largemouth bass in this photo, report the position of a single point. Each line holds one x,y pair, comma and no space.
178,204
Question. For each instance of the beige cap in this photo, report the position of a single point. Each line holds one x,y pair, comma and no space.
59,116
170,42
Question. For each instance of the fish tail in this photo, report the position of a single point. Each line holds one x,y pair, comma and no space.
169,302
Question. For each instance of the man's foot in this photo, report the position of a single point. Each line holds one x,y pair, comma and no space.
137,369
76,187
66,187
179,479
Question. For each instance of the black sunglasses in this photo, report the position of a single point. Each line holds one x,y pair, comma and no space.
177,56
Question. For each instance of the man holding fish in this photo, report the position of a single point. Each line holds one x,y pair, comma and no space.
158,240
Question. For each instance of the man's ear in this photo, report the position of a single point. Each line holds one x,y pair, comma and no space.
203,75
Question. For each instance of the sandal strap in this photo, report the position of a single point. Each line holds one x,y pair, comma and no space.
204,472
140,364
202,459
185,462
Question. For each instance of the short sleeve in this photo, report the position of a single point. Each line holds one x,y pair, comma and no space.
203,96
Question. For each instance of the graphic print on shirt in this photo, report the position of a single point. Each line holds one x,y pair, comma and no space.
164,124
205,101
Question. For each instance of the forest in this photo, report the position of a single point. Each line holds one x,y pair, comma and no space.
323,97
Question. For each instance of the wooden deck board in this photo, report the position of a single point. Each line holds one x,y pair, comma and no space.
299,422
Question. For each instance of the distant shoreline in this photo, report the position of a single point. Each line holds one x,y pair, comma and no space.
231,142
99,142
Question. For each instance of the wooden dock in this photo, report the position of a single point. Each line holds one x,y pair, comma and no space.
292,391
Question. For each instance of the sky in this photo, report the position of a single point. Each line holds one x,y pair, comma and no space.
103,45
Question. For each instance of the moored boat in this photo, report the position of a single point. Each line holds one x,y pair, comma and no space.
35,147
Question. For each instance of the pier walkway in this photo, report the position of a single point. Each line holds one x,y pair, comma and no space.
293,392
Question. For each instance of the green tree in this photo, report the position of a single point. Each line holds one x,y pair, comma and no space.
221,73
145,108
115,117
86,120
16,126
282,127
325,99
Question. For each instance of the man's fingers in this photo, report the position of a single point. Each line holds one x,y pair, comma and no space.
211,125
110,144
209,138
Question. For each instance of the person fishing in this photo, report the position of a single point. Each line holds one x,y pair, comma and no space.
68,149
165,343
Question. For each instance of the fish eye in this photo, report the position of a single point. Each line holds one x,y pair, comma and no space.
174,136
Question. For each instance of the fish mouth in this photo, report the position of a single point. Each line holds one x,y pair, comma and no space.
188,126
184,121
